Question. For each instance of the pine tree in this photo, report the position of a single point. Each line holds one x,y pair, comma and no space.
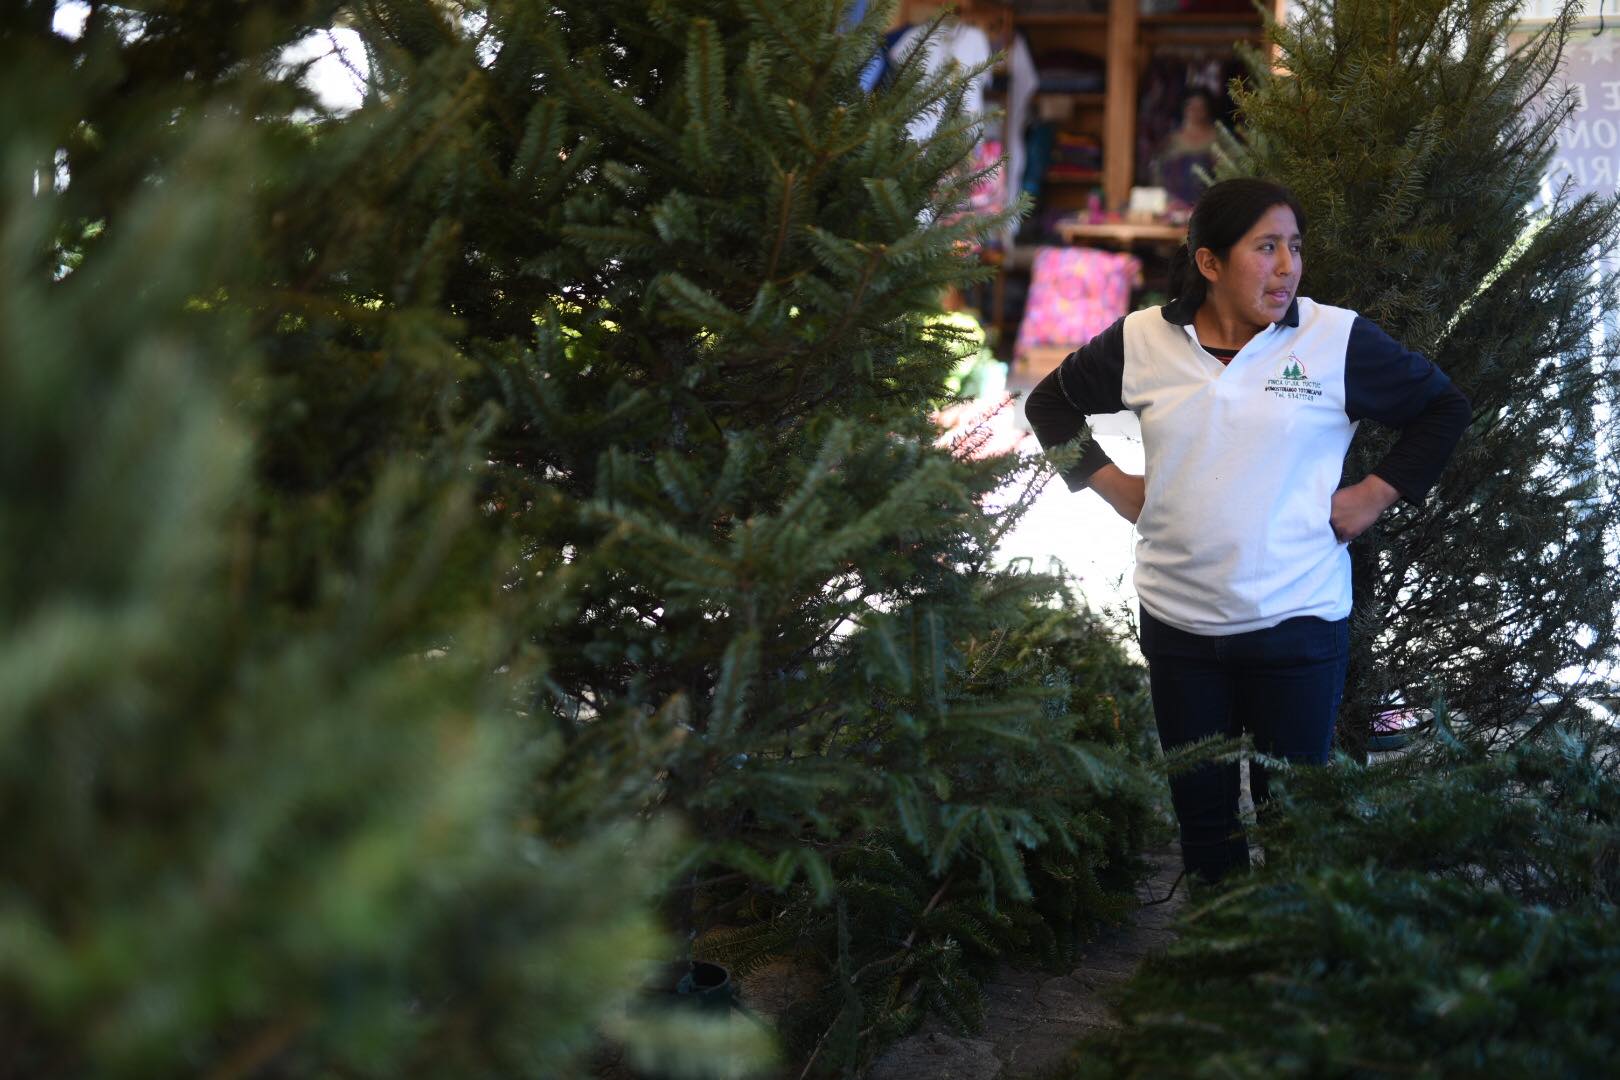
1449,913
1416,136
265,797
697,264
910,937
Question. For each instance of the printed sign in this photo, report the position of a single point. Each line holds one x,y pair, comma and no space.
1589,145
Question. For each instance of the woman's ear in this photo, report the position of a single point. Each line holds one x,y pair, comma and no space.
1207,264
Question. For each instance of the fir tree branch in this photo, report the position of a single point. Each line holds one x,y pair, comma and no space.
784,216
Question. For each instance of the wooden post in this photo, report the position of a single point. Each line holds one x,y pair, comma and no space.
1119,113
1279,12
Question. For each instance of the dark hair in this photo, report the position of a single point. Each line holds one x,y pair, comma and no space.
1210,99
1225,211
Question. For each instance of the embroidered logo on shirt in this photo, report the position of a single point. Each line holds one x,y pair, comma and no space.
1292,382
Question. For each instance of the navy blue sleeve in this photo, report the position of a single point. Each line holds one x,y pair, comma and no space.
1389,383
1087,383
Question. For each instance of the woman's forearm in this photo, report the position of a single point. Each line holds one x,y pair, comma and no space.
1124,491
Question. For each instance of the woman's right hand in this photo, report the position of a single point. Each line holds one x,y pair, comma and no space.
1123,491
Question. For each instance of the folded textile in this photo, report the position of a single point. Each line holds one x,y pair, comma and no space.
1074,294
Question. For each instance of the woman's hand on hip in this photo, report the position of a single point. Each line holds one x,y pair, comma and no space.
1123,491
1356,507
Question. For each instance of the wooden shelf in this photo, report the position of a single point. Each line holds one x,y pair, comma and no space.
1186,19
1201,27
1203,18
1122,232
1086,98
1122,38
1062,18
1200,37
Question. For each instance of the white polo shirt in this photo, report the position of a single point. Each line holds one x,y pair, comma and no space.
1242,459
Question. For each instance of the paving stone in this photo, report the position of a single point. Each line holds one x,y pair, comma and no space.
1009,1003
1103,987
1107,961
1161,920
1066,984
1153,939
1039,1051
1072,1001
1007,975
938,1056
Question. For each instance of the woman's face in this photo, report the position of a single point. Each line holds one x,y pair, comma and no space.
1195,112
1259,276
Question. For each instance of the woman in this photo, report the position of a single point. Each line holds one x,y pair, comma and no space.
1248,396
1187,149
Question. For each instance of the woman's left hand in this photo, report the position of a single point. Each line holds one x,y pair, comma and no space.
1356,507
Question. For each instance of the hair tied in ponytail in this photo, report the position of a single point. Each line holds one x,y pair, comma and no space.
1181,265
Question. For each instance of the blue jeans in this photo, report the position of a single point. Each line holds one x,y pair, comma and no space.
1282,684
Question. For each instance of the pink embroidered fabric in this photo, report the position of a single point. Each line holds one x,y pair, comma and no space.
990,193
1074,294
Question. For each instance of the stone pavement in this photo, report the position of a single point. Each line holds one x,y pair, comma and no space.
1034,1018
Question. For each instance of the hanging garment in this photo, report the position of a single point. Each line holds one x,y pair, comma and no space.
1039,142
873,71
1022,80
958,43
989,195
1176,168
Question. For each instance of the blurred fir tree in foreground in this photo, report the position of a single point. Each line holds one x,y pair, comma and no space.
259,822
1417,137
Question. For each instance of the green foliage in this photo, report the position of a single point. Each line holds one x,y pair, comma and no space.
265,800
1061,816
409,510
699,278
1416,136
1450,913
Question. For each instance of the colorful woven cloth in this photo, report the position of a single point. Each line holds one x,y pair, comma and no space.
1075,294
990,194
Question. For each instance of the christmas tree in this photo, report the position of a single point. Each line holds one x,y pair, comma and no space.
1410,918
697,265
1417,136
267,800
418,509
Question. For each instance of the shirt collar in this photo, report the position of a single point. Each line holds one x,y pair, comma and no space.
1181,314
